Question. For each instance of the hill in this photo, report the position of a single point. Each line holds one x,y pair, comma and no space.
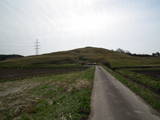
5,57
82,56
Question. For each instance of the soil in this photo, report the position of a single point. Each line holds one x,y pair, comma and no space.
10,87
13,73
15,99
128,67
15,95
152,73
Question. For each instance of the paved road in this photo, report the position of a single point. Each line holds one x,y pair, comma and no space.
111,100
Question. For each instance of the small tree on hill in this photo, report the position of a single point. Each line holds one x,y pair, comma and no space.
156,54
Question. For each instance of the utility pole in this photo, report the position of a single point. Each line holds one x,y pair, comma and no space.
37,46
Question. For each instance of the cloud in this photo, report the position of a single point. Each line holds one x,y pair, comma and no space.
76,23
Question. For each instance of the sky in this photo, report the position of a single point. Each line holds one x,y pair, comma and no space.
59,25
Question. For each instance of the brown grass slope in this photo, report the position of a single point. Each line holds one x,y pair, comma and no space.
82,55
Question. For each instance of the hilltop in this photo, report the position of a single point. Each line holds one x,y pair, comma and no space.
81,56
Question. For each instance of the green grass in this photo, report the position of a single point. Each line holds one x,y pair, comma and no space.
58,97
148,95
146,80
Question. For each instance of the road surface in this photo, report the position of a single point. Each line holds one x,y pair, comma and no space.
111,100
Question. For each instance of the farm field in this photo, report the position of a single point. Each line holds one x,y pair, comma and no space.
150,72
149,79
15,73
61,96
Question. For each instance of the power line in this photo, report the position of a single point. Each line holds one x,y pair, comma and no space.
37,46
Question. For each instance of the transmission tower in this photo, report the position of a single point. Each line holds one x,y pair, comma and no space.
37,46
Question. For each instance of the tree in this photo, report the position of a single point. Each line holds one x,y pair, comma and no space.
156,54
120,50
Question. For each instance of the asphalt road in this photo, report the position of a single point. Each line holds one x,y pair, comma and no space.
111,100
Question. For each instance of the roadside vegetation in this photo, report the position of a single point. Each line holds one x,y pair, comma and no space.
146,80
146,86
54,97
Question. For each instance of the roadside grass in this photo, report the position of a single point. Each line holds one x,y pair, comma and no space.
148,95
146,80
57,97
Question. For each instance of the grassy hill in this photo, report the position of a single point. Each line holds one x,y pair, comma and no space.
63,92
81,56
5,57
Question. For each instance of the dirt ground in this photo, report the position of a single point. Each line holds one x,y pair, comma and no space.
12,74
152,73
14,97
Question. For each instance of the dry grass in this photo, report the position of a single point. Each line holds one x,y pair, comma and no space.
81,55
41,97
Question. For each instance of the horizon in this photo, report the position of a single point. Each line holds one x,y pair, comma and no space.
64,25
82,48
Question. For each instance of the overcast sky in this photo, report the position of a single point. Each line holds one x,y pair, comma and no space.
133,25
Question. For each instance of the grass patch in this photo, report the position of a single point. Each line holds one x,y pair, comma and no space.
57,97
148,95
145,80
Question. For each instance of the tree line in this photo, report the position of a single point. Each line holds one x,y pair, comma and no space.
156,54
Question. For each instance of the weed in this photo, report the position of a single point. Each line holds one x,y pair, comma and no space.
56,97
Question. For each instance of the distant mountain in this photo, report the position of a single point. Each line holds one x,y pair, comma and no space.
82,56
5,57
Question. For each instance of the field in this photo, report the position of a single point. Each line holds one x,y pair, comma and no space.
15,73
149,72
144,77
60,97
58,85
145,82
